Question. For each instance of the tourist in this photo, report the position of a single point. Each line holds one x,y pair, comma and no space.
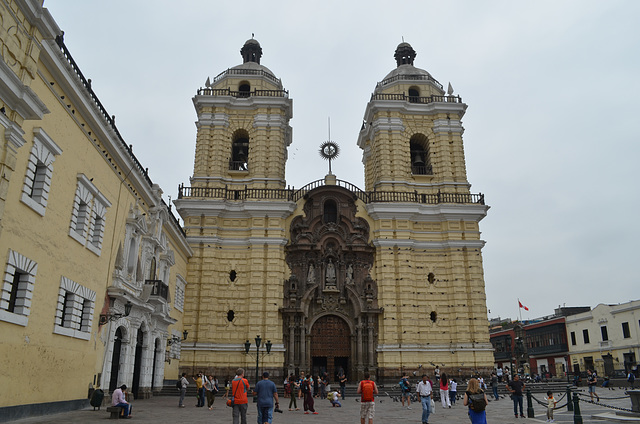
592,381
516,386
453,391
118,398
211,388
367,389
424,390
405,388
294,387
183,389
343,381
494,385
239,390
306,388
551,404
477,402
200,389
444,390
266,391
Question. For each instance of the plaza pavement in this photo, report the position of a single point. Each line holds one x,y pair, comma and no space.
163,409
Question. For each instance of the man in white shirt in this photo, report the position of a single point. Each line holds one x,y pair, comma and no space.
424,391
118,399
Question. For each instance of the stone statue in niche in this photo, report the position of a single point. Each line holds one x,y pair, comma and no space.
330,276
349,277
311,275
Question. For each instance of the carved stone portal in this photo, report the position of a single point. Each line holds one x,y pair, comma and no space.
331,310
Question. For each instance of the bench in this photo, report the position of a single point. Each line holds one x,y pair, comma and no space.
115,412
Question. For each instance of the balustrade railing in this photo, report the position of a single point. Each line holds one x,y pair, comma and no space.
415,99
242,94
294,195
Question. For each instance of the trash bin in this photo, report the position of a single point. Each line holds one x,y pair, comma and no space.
96,399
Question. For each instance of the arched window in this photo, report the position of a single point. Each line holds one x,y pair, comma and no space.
414,95
330,212
244,89
419,151
239,151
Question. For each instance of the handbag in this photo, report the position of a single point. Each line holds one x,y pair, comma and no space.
433,406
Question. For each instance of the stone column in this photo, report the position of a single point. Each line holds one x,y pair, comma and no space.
303,345
291,358
370,336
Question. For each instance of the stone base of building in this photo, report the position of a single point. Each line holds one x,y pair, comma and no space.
12,413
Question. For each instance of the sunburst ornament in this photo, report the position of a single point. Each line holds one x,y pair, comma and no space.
329,150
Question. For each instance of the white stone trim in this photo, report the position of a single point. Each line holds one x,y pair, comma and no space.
37,181
89,212
79,310
181,285
418,212
22,308
12,133
18,96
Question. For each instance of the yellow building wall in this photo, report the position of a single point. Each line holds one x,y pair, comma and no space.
33,356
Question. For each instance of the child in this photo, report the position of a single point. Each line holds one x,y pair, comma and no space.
550,406
453,391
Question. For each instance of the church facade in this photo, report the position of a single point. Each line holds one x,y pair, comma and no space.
388,278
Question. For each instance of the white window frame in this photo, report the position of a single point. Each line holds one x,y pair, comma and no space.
181,285
77,311
22,308
89,215
37,181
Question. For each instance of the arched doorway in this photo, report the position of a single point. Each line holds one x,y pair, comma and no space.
115,360
330,346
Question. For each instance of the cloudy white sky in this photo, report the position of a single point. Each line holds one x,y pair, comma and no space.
551,133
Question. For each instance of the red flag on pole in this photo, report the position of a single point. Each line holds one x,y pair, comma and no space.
522,306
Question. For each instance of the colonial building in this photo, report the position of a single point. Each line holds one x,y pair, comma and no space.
388,278
538,346
606,339
94,262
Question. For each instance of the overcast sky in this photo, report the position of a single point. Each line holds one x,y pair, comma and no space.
551,133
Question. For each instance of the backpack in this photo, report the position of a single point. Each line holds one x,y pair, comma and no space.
403,384
476,402
179,384
367,391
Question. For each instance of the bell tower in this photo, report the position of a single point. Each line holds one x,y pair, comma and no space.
235,215
412,135
243,127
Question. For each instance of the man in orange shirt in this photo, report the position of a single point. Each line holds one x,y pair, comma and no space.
239,390
367,389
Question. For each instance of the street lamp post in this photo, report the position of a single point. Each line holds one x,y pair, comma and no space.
247,347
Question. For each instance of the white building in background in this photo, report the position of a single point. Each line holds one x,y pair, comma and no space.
605,339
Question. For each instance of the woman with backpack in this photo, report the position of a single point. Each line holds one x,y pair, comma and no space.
477,402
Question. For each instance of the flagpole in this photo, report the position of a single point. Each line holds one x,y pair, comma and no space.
520,309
